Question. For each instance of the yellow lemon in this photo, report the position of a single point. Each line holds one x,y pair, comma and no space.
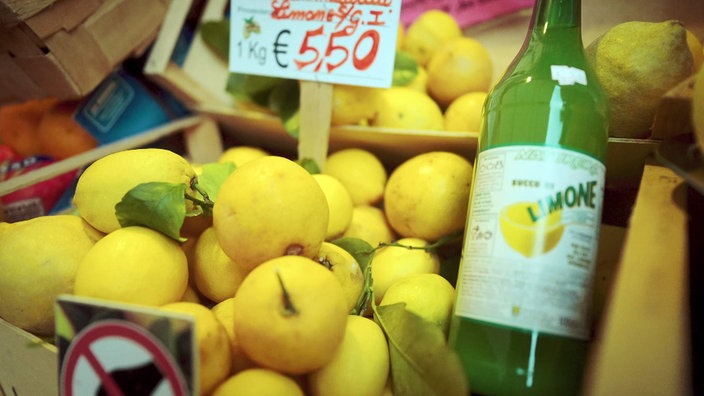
392,263
259,382
267,208
407,108
134,265
427,295
353,105
339,204
369,224
429,31
214,273
240,155
39,259
400,36
695,47
290,314
345,268
427,195
214,358
360,171
459,66
360,366
420,82
527,236
103,183
224,312
698,109
464,114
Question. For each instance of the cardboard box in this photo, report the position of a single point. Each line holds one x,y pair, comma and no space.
67,48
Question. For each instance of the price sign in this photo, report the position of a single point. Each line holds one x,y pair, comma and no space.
337,41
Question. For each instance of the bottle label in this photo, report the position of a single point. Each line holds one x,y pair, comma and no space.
531,239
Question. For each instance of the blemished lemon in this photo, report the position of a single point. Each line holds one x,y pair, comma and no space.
360,171
464,114
103,183
134,265
224,311
39,258
268,208
214,357
339,204
428,32
392,263
240,155
259,382
290,314
459,66
427,295
213,272
360,366
695,47
345,268
353,105
427,195
407,108
369,224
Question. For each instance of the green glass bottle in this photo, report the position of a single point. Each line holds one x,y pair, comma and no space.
522,319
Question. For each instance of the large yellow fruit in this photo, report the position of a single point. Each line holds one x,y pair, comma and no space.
464,114
214,357
428,32
345,268
134,265
339,204
103,184
224,312
240,155
460,66
267,208
369,224
290,314
427,195
360,171
38,261
259,382
214,273
360,366
353,105
407,108
698,109
637,63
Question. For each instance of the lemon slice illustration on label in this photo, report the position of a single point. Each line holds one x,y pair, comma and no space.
527,235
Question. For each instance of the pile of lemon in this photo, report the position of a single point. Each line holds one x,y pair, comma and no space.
273,298
454,74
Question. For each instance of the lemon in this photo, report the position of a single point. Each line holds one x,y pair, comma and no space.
637,63
224,312
464,114
259,382
427,295
427,195
339,204
392,263
407,108
400,36
360,366
214,357
369,224
191,295
345,268
420,81
698,109
267,208
429,31
39,258
214,273
459,66
695,47
290,315
240,155
134,265
103,183
360,171
353,105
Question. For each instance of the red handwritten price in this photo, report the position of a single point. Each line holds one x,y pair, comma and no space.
360,61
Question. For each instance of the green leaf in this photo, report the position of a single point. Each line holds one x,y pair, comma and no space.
256,88
212,176
309,164
157,205
421,361
405,69
284,100
360,249
216,35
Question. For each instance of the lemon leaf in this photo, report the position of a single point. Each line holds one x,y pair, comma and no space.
284,100
158,205
405,69
421,361
309,164
213,175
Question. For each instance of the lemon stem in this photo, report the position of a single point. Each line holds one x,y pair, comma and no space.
289,309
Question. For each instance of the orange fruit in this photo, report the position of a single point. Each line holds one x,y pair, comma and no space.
60,136
19,123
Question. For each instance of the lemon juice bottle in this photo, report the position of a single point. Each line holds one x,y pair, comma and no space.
522,315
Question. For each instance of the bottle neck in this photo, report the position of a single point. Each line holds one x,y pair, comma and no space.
555,14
